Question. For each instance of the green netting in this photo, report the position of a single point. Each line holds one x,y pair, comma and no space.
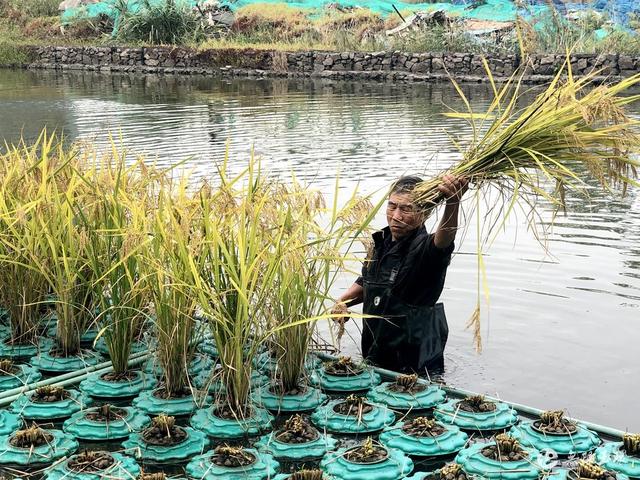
297,452
581,441
325,417
612,457
85,429
195,443
60,445
122,467
473,462
396,466
449,442
264,468
98,387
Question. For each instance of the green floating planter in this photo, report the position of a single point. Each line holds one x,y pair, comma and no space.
223,428
208,347
396,466
45,362
203,380
24,351
148,403
345,383
473,462
431,396
266,363
123,467
60,445
195,443
502,417
88,338
326,418
203,468
96,386
310,399
199,364
612,457
297,452
9,422
448,443
25,374
31,410
557,474
136,347
581,441
86,429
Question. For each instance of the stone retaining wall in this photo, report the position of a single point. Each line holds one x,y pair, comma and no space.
348,65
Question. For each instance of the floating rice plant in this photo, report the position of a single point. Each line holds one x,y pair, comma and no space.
575,131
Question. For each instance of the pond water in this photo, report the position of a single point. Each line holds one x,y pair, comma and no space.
562,327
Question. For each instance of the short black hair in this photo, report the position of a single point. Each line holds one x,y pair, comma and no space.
405,184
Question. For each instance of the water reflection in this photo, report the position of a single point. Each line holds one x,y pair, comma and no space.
563,325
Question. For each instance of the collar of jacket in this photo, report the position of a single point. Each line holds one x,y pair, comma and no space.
380,236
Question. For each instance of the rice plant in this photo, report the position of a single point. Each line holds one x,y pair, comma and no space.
573,132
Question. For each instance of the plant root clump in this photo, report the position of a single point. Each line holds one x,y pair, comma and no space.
307,475
152,476
234,457
50,394
297,430
423,427
368,452
165,394
593,471
476,404
407,384
7,367
90,462
506,449
127,376
553,422
353,405
106,413
343,366
31,437
164,431
452,471
631,444
226,412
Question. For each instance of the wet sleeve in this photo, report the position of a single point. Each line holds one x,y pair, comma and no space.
435,255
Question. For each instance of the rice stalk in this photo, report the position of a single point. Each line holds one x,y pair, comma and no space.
574,132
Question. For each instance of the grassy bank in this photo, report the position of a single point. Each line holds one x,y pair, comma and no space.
280,27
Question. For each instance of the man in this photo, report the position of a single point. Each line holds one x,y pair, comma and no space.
402,280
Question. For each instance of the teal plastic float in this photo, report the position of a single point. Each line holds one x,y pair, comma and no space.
224,429
9,422
365,380
308,400
448,443
199,364
59,445
29,409
266,363
473,462
84,428
396,466
208,346
297,452
581,441
123,467
96,386
195,443
431,396
23,375
150,404
325,417
24,351
203,468
613,457
502,417
212,382
46,362
88,338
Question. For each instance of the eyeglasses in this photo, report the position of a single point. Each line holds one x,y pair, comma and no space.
405,209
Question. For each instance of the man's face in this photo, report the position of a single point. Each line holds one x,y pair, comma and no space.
402,216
